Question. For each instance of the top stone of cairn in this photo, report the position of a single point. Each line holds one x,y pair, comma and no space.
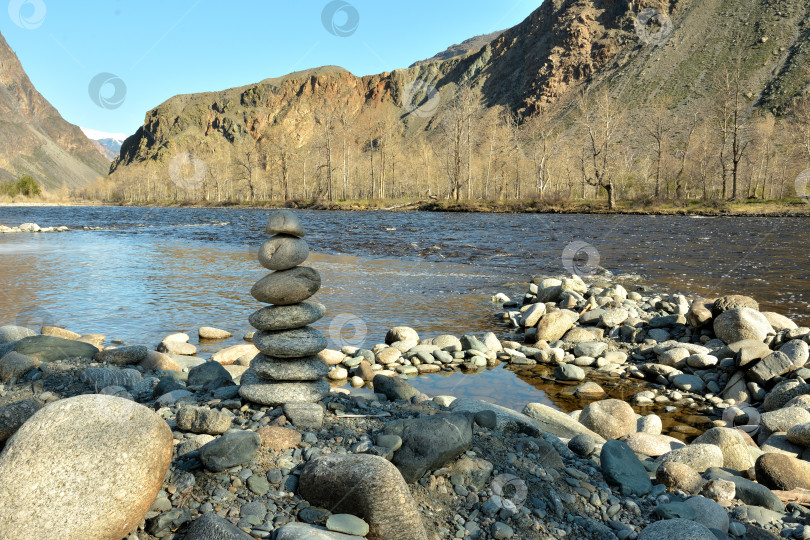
285,222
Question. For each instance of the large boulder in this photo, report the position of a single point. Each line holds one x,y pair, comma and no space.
775,364
610,418
401,333
731,301
621,468
553,326
784,392
506,420
87,467
429,443
557,422
676,529
732,444
51,349
780,471
698,456
366,485
650,444
741,323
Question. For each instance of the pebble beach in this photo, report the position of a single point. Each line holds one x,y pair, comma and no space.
266,440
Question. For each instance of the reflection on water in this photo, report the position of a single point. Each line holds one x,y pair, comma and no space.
153,271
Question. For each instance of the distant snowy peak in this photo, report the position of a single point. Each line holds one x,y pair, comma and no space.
109,144
97,135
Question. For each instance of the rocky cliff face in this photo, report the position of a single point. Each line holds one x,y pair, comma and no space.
35,139
564,48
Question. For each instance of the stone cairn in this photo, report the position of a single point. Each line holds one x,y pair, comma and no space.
288,368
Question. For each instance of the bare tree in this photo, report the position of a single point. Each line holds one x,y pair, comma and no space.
599,122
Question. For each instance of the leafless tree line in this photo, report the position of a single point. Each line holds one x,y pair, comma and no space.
602,150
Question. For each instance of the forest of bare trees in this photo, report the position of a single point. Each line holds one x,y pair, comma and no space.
467,152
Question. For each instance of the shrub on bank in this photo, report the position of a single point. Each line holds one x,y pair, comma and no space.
25,186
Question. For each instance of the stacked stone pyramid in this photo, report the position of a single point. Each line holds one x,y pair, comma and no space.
288,368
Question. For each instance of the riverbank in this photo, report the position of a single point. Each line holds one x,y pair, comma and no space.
603,471
749,208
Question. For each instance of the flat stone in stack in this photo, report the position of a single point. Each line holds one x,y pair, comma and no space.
287,370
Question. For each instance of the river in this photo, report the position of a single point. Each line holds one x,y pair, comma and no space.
152,271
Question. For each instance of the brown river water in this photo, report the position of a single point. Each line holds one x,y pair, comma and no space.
152,271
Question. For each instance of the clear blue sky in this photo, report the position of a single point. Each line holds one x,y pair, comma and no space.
162,48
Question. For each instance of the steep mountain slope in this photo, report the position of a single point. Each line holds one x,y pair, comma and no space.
538,67
35,139
464,48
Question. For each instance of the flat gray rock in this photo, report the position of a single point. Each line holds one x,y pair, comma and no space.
51,349
100,377
263,392
310,368
286,287
297,343
273,318
303,531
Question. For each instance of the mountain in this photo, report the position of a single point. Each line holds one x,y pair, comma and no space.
35,139
468,46
640,53
109,144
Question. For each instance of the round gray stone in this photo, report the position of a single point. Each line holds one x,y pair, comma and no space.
203,420
296,343
11,333
15,364
13,415
569,372
284,222
741,323
283,252
234,448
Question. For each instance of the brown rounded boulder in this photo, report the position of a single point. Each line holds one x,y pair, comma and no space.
610,418
87,467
